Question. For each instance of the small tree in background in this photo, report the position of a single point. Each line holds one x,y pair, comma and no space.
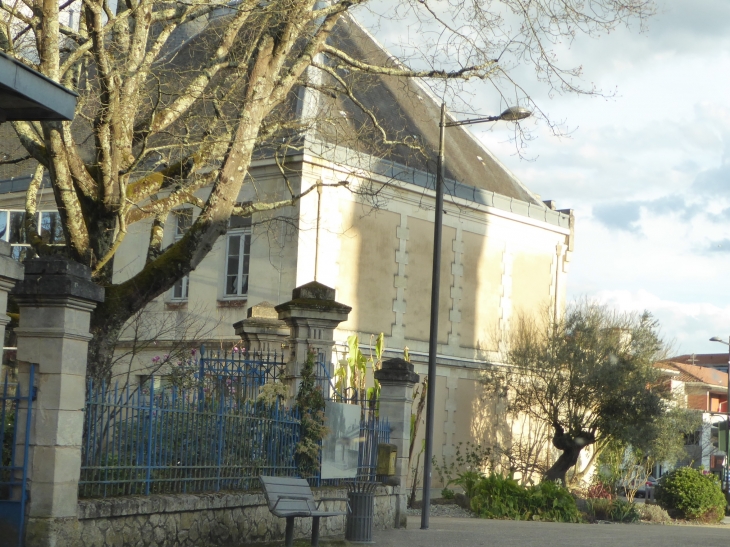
589,376
310,402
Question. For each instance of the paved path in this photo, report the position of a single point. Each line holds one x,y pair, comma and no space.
460,532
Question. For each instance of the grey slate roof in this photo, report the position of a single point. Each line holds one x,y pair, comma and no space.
404,108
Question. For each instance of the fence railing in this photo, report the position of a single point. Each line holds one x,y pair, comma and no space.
139,441
243,372
203,432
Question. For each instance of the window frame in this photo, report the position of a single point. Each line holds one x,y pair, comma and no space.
243,232
39,227
184,283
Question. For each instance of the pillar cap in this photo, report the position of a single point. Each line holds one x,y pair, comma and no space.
261,316
313,296
57,277
397,370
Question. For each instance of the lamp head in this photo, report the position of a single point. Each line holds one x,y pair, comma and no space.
718,339
515,113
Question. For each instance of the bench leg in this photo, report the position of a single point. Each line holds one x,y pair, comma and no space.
289,531
315,531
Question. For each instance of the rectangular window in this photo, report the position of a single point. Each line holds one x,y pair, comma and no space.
13,230
183,222
238,250
180,289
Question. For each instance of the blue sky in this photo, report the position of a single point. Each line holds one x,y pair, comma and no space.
647,171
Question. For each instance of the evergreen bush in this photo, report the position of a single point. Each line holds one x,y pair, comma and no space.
688,493
496,496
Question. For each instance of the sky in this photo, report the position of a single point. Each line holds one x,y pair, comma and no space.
647,171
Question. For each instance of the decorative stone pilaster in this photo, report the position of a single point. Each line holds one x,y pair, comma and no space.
56,298
312,315
397,378
10,272
262,330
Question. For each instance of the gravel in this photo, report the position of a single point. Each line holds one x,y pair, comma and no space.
449,510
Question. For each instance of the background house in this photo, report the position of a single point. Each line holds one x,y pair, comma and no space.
703,389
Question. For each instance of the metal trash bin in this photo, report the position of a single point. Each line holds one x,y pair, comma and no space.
359,524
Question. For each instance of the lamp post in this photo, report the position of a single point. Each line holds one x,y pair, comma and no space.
727,412
512,114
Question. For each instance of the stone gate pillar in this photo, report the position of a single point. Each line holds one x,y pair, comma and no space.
56,298
312,316
262,330
10,272
397,378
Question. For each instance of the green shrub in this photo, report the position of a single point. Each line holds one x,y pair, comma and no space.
623,511
690,494
447,494
617,510
654,513
468,481
497,496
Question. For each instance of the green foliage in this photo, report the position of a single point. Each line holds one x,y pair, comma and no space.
350,375
616,510
654,513
496,496
468,480
447,494
310,402
589,376
691,494
467,457
271,393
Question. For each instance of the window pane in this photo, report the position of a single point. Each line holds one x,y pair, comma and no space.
177,289
231,282
239,222
183,221
50,228
17,228
3,224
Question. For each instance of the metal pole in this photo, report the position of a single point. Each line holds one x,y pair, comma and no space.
433,333
727,424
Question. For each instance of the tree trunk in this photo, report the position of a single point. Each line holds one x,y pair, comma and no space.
571,445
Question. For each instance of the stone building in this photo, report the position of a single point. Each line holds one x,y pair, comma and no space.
368,233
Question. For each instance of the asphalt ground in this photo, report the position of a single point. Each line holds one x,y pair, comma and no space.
462,532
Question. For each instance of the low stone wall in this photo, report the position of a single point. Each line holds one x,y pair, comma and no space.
203,520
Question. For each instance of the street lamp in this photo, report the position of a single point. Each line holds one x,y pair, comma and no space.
512,114
727,412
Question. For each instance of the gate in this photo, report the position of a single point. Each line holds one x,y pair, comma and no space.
15,418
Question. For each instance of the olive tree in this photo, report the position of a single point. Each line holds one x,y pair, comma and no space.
589,376
176,95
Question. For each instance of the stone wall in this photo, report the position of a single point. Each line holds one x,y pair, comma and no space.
201,520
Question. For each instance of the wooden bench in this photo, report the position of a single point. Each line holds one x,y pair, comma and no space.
290,497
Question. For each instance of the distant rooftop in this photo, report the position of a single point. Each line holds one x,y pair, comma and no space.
714,360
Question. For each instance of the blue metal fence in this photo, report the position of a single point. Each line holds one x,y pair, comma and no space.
16,406
145,441
202,433
242,372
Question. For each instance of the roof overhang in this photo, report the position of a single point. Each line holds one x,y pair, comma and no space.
27,95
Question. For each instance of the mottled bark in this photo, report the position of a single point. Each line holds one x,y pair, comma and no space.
571,446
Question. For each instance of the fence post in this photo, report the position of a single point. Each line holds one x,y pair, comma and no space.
397,378
56,298
312,316
262,330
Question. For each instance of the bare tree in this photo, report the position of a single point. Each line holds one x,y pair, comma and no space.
175,97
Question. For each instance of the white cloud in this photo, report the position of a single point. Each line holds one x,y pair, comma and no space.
687,326
647,171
